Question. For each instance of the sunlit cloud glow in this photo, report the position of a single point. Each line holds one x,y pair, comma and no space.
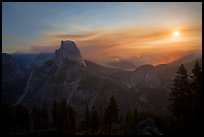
123,30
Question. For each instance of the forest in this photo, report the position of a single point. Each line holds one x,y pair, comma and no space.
185,118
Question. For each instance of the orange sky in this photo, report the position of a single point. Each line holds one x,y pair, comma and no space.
139,42
106,31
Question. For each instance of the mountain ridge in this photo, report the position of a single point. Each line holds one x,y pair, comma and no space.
93,84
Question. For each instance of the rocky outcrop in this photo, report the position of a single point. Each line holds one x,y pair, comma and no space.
13,79
68,51
147,127
10,68
145,76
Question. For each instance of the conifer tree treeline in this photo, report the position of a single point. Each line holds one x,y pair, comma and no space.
110,115
180,97
186,99
198,97
186,104
63,118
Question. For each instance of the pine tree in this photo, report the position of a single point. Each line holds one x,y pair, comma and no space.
196,87
94,120
8,119
85,124
71,120
22,117
111,115
129,123
36,118
122,124
180,96
62,117
44,117
54,114
135,120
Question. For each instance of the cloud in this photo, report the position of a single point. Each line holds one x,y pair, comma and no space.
147,42
82,37
42,48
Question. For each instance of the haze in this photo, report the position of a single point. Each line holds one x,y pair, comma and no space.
149,32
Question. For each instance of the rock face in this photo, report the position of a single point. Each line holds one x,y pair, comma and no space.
68,51
83,83
145,76
10,68
34,80
67,77
13,79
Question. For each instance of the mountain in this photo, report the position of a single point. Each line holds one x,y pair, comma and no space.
79,82
66,75
145,76
186,59
122,64
13,79
68,51
167,72
28,61
10,68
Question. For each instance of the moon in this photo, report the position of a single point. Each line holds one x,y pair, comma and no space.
176,33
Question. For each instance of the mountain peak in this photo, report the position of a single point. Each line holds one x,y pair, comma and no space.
68,51
68,43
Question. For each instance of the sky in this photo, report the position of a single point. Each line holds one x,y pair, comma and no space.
147,32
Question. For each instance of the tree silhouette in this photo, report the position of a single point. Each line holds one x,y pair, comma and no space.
64,118
85,124
44,117
180,96
94,120
135,120
22,117
36,118
55,114
196,87
71,120
197,106
111,115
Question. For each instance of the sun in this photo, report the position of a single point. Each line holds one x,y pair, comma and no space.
176,33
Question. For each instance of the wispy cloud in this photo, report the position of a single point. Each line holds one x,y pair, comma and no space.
124,30
124,43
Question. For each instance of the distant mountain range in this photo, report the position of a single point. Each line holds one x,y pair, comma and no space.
37,79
